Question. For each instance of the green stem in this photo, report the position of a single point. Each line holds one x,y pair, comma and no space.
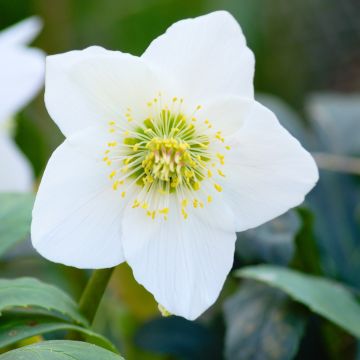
93,292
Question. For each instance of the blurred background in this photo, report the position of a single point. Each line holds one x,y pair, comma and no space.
308,71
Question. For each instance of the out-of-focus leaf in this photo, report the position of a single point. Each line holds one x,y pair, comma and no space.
24,260
335,200
16,327
32,293
247,13
340,344
178,337
60,350
272,242
325,297
306,257
358,351
31,141
131,293
15,218
119,324
336,118
261,323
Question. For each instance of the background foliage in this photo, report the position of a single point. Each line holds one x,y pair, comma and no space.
308,72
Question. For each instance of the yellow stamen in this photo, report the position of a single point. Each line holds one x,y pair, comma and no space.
218,187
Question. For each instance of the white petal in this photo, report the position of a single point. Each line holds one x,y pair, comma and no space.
77,215
94,86
227,113
268,171
183,263
15,171
207,55
22,75
21,33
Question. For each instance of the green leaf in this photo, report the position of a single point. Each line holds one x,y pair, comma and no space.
272,242
261,323
324,297
31,140
178,337
61,350
15,327
334,118
306,257
29,292
15,218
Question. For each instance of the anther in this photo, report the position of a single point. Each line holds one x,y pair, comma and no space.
218,187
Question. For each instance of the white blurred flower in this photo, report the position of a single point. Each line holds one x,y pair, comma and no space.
166,156
21,77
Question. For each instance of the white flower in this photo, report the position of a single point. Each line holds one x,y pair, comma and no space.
21,77
165,157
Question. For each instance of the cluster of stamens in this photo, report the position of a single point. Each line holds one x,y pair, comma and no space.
167,154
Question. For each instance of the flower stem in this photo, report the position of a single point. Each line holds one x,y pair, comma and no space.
93,292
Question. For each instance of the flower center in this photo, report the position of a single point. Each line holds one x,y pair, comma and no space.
168,161
168,155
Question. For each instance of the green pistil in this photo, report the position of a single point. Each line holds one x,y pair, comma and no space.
168,152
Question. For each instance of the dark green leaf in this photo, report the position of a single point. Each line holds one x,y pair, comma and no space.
335,202
31,141
306,257
262,323
272,242
15,218
325,297
15,327
60,350
336,197
178,337
29,292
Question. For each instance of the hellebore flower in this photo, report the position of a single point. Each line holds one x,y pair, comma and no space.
166,156
21,77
